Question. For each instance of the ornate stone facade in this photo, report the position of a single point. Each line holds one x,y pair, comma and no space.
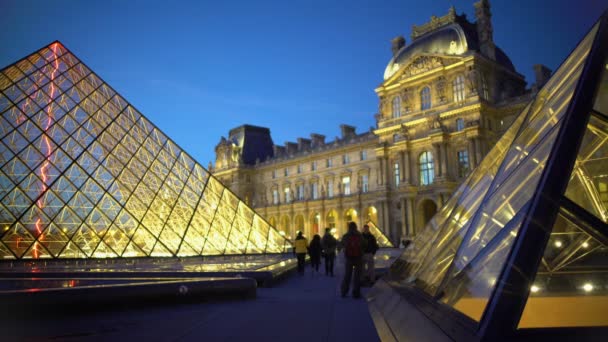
442,105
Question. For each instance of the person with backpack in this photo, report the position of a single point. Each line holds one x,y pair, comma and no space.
371,247
354,245
314,250
329,244
300,249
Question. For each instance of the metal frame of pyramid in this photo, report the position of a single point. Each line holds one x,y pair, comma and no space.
521,248
84,175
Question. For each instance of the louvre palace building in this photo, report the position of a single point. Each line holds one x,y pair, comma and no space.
446,98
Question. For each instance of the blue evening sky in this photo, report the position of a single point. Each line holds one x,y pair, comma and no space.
199,68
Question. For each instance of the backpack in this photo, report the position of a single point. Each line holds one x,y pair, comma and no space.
352,247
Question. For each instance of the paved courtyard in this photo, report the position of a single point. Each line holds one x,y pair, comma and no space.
300,308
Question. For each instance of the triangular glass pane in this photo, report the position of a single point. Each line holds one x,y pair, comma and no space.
5,253
588,185
132,251
186,250
37,251
160,251
572,281
103,251
72,251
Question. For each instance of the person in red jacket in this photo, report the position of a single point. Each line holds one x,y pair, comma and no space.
354,245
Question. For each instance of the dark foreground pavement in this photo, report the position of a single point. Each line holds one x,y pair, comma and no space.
300,308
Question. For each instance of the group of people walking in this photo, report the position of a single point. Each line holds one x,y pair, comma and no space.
359,250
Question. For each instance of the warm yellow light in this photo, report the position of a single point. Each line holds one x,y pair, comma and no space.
534,288
6,228
585,244
588,287
558,244
282,233
373,210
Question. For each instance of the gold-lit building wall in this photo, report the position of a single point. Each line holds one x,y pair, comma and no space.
445,100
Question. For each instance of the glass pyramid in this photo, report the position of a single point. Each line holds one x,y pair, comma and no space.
84,175
381,239
527,232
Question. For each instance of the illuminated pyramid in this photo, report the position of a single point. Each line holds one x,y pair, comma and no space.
523,242
84,175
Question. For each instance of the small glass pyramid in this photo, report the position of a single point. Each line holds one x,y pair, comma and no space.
523,242
84,175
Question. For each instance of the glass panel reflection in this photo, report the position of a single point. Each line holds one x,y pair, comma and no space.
569,289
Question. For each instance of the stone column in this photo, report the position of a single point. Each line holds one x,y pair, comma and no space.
404,217
444,159
478,152
437,160
402,177
380,171
471,149
410,217
387,171
407,168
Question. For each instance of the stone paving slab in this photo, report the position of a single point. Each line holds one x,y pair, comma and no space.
301,308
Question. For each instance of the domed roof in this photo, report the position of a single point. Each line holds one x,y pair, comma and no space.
452,39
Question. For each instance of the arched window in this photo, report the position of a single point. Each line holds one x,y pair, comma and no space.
425,98
427,171
458,87
396,107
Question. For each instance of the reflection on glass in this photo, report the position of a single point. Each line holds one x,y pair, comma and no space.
588,185
84,175
569,289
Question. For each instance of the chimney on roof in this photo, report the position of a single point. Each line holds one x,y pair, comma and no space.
279,151
291,147
317,140
304,144
347,131
485,32
542,75
396,44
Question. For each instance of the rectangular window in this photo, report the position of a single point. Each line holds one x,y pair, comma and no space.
300,194
330,162
346,185
463,163
330,188
397,174
345,159
274,174
286,172
458,88
287,195
459,124
315,191
313,166
364,183
363,155
299,168
275,196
